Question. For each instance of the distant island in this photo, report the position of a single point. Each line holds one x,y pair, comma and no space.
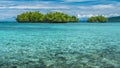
59,17
114,19
51,17
99,19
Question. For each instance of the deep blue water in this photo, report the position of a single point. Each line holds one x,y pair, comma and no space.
71,45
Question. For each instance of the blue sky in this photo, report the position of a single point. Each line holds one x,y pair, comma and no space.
81,8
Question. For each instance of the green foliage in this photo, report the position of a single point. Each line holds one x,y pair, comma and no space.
30,17
97,19
51,17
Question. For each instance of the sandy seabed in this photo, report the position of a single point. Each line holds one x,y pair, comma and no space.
73,45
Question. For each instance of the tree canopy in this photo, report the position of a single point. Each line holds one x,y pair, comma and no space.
51,17
97,19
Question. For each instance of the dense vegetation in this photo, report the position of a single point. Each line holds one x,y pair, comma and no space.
51,17
97,19
114,19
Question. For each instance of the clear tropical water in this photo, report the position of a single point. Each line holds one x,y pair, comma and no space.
73,45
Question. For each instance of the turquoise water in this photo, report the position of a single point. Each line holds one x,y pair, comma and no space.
73,45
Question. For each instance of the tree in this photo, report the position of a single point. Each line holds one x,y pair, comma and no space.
51,17
97,19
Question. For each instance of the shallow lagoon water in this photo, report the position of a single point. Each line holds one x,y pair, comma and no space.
72,45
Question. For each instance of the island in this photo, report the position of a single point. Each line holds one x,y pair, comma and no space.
98,19
114,19
51,17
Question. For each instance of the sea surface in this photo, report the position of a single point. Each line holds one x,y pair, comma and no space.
68,45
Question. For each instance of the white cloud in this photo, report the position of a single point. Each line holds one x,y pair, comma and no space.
90,15
57,10
86,15
78,0
109,6
107,10
112,15
39,7
34,7
84,10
